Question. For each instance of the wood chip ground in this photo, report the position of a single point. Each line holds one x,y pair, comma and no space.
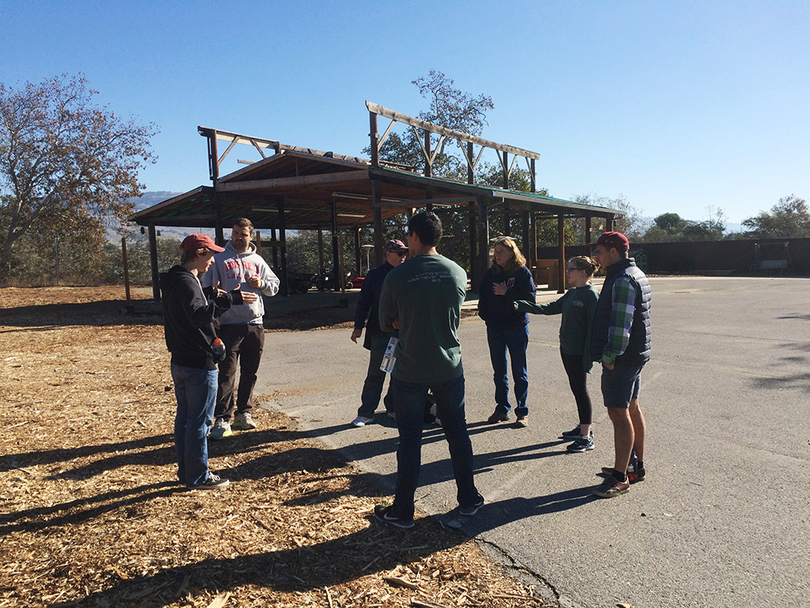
91,513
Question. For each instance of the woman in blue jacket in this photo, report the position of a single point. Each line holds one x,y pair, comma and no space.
506,281
577,307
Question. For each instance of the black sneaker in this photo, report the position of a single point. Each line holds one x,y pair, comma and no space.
498,416
472,509
384,514
572,434
636,475
214,482
581,444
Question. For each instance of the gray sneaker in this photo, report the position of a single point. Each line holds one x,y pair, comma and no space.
243,422
220,430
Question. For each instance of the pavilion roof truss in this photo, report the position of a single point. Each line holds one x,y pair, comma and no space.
444,133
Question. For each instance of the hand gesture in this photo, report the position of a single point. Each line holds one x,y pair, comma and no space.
254,281
356,334
499,289
248,297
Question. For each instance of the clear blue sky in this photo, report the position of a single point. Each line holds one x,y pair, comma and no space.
680,106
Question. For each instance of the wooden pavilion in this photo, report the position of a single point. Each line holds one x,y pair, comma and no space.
297,188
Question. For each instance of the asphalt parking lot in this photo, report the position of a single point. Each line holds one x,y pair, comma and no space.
723,518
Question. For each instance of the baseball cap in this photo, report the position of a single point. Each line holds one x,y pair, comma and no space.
397,246
614,240
198,241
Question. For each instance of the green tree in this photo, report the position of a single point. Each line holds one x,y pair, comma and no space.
65,163
671,227
789,218
448,107
632,224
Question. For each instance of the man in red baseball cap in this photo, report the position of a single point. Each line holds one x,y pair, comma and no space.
200,241
620,340
189,312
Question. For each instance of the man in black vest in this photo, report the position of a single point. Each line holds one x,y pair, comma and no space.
621,341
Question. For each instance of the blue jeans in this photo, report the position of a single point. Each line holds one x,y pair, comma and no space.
409,402
375,378
516,340
196,392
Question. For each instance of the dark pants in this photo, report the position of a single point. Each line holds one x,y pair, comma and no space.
244,345
375,378
515,340
577,379
409,402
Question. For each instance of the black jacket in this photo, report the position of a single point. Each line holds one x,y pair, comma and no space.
368,304
188,317
499,311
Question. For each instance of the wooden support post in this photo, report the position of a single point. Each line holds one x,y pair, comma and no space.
507,220
428,170
153,259
588,246
282,233
274,247
533,241
357,269
526,230
471,215
341,282
126,267
561,264
321,268
379,253
257,240
483,240
335,247
219,231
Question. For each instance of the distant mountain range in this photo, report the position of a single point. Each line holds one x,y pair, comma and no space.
150,199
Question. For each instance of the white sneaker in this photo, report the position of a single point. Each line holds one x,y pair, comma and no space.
361,421
243,422
220,430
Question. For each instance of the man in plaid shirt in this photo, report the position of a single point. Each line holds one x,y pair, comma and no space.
621,342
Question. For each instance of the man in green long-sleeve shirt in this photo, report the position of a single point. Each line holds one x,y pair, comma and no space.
422,299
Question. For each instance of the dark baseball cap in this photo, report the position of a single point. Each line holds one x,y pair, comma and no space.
198,241
614,240
396,246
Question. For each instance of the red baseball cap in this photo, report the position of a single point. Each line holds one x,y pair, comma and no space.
198,241
614,240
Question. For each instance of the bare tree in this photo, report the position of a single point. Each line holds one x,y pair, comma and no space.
64,161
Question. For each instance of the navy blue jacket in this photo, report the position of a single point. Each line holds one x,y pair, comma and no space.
368,305
499,311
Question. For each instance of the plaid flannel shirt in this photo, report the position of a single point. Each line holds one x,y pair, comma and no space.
623,298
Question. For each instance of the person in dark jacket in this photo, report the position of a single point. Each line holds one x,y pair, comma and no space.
188,321
376,340
506,281
620,339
